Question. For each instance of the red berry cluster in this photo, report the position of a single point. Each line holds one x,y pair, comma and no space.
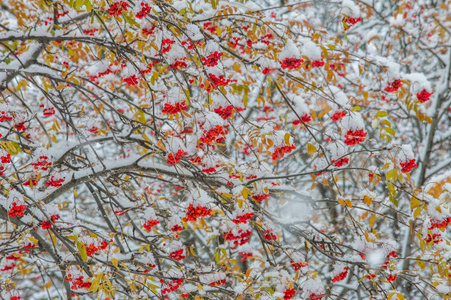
440,224
266,39
20,127
5,116
210,27
394,86
226,113
177,255
235,41
212,60
341,276
291,63
209,170
42,164
305,118
341,162
269,235
355,137
391,278
221,80
172,160
245,255
351,21
371,276
55,182
179,64
288,294
243,219
148,31
166,45
317,63
172,286
242,238
15,298
14,257
78,283
117,8
8,267
31,182
193,213
28,247
16,210
132,80
312,297
174,109
298,265
218,282
145,10
214,135
424,96
149,224
280,152
338,115
261,198
387,260
46,225
267,71
49,111
188,44
408,166
6,159
91,31
176,228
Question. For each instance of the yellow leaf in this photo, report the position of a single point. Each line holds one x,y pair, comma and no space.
373,220
341,201
368,200
60,87
115,262
348,203
421,263
287,138
417,212
191,249
311,148
161,145
414,202
200,287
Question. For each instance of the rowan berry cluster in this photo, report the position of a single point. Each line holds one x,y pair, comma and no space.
5,116
424,96
210,27
166,45
55,182
117,8
351,21
391,278
341,276
341,162
177,254
408,166
20,127
244,218
317,63
49,111
214,135
196,212
440,224
212,60
312,297
269,235
172,160
288,294
78,283
131,80
179,64
338,115
172,286
176,228
305,119
48,224
149,224
238,240
261,197
148,31
291,63
298,265
174,109
42,164
267,71
245,255
387,260
209,170
31,182
394,86
16,210
145,10
280,152
354,137
90,31
218,282
221,80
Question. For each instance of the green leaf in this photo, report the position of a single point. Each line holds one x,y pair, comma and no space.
356,108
